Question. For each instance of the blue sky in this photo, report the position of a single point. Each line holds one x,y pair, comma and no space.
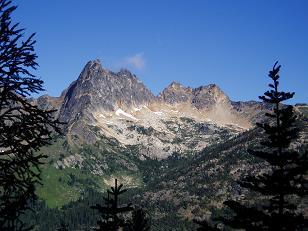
195,42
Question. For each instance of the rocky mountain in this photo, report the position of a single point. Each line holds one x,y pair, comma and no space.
180,119
98,89
179,153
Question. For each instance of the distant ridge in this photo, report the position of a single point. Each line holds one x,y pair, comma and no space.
114,102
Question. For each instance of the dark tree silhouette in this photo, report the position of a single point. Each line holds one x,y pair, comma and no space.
205,226
140,221
24,128
111,218
285,181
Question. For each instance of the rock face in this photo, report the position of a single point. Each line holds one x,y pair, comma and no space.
210,100
47,102
119,106
251,109
100,89
206,97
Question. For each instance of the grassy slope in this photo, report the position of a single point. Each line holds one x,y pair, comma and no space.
61,186
55,190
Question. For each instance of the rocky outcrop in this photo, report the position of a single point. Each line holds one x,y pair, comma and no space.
204,97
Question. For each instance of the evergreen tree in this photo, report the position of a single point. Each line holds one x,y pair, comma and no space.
140,221
284,184
111,218
24,128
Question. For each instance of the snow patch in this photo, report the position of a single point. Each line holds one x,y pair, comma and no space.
160,113
120,112
137,108
140,108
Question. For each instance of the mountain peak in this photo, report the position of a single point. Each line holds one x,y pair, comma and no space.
207,88
93,65
124,72
95,62
101,89
175,84
207,96
175,93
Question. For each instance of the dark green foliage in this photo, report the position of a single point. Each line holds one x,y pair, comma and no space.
63,227
284,184
111,213
76,215
24,128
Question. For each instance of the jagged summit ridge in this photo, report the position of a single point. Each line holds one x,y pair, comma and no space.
203,97
101,89
121,107
98,89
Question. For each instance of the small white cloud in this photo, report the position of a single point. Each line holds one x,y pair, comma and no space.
137,61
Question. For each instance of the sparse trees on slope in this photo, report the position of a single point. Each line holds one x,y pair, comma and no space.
285,182
24,128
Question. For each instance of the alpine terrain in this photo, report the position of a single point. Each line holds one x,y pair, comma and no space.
179,153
